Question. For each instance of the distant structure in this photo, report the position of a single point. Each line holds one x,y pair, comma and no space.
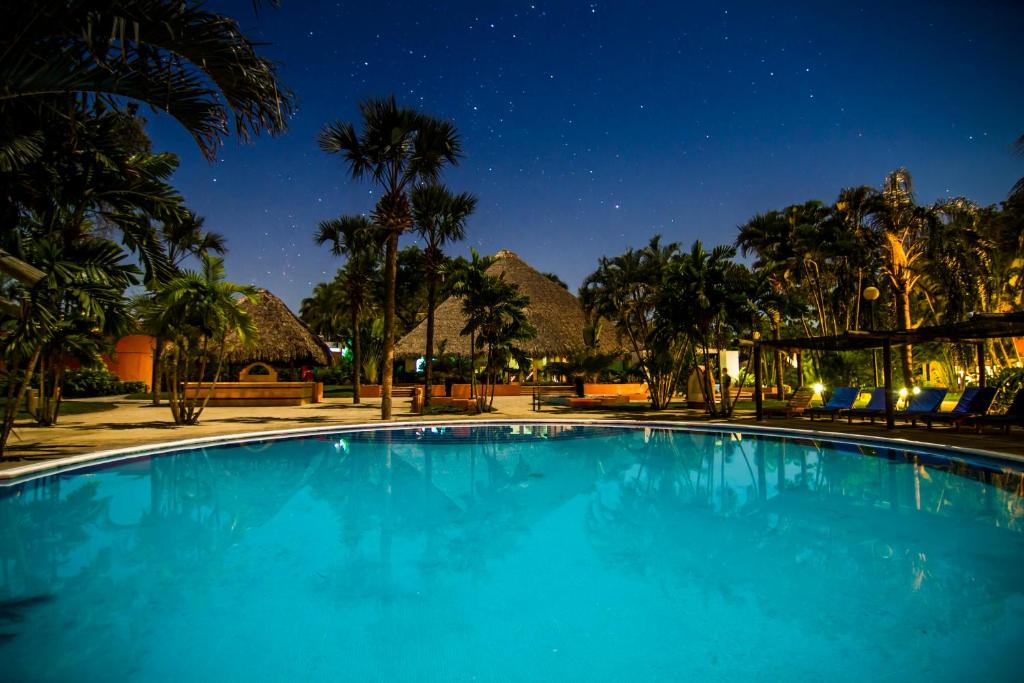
553,311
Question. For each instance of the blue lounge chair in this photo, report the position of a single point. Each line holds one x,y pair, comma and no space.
1014,415
924,402
975,401
874,408
842,398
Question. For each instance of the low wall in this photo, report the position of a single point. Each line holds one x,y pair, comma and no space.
635,390
369,391
254,394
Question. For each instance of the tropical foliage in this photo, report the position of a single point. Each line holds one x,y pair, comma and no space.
397,148
933,263
195,312
83,197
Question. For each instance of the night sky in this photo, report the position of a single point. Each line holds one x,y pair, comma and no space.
589,127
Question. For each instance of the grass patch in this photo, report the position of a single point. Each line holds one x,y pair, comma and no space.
75,407
337,391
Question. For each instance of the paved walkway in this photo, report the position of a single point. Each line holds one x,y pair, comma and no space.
137,423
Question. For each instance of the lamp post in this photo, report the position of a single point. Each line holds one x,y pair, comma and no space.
871,295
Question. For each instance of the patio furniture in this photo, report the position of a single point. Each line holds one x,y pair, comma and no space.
842,398
799,402
926,401
874,408
1014,415
975,401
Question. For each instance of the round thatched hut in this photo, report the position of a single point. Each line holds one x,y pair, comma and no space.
283,339
553,311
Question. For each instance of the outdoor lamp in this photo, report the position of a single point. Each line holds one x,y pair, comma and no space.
871,293
903,392
916,390
818,387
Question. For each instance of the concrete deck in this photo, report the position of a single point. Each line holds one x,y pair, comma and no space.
137,423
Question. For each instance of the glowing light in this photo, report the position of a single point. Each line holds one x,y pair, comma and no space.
903,392
871,293
818,387
916,390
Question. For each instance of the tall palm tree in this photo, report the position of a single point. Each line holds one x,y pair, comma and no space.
770,236
440,218
397,148
903,226
198,309
851,212
355,238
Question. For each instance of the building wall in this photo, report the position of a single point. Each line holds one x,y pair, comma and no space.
133,358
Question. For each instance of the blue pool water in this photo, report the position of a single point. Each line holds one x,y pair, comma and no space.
516,554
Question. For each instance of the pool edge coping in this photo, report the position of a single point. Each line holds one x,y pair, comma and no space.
35,470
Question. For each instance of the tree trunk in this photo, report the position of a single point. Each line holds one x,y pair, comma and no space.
903,323
429,363
11,409
357,357
472,365
780,368
387,373
157,360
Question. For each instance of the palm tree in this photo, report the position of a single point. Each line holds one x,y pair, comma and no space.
81,293
398,148
496,314
198,309
177,57
440,218
770,236
851,211
903,226
354,237
705,295
626,290
468,277
321,312
183,236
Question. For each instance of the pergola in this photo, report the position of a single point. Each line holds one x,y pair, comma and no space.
975,330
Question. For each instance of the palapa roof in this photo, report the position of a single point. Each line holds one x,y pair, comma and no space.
553,311
977,328
282,339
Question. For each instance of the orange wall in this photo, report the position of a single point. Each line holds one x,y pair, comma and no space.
133,358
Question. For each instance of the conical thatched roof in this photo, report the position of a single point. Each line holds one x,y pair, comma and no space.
553,311
283,338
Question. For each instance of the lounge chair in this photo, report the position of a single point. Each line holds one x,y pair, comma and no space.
975,401
842,398
1014,415
796,405
924,402
874,408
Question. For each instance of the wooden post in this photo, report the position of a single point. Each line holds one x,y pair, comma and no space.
758,378
981,364
890,418
799,369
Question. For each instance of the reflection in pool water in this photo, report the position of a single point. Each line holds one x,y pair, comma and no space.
516,553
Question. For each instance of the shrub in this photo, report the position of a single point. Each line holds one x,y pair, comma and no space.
88,382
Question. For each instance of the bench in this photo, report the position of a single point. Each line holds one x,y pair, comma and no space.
540,393
255,394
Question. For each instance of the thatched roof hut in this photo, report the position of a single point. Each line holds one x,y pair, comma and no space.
283,338
553,311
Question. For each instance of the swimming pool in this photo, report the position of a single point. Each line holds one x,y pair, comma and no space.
519,552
